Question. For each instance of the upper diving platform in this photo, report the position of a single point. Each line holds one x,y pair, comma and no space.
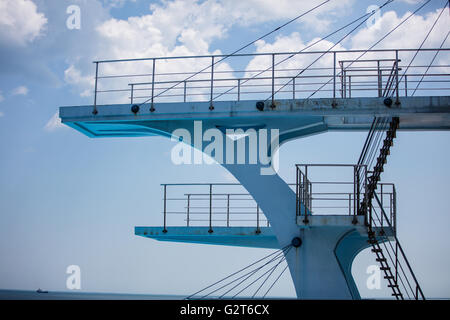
298,92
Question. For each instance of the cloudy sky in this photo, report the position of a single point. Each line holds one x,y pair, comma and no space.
67,199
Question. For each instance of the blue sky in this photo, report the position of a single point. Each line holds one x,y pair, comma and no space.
67,199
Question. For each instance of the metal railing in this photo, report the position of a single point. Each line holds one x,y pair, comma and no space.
336,74
393,252
375,151
211,205
336,196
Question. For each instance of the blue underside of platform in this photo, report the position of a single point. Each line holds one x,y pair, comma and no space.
229,236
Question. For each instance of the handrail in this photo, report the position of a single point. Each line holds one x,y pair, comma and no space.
349,77
218,206
418,288
266,54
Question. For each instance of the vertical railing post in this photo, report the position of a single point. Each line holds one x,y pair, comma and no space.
152,107
345,84
310,196
293,88
381,204
258,230
349,204
396,78
188,209
356,183
239,89
165,208
228,210
95,89
210,209
342,79
297,212
380,80
395,209
305,188
211,107
273,81
349,86
185,90
406,85
365,188
132,89
334,78
356,171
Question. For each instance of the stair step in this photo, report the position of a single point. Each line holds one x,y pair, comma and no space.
394,124
380,259
389,277
393,285
376,250
385,268
391,134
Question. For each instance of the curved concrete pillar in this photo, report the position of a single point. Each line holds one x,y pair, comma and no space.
314,267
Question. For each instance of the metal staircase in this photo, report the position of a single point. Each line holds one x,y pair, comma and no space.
372,144
389,253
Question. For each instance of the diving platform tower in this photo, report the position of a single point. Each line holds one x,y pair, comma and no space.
341,95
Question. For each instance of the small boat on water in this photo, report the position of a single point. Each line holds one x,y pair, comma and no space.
41,291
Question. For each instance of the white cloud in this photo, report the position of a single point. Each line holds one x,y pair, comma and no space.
20,91
73,76
179,28
168,26
258,11
409,35
116,3
412,1
1,97
1,114
20,23
54,123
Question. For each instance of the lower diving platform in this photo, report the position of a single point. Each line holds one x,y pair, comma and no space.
262,237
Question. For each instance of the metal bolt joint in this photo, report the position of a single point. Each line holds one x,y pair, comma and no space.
296,242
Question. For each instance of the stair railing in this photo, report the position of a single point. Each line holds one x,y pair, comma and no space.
395,254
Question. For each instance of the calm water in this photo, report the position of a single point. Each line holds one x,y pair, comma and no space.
33,295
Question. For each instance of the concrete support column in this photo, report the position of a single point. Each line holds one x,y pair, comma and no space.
314,266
